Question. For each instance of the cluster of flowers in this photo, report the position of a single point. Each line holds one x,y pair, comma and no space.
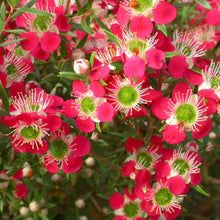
162,178
116,81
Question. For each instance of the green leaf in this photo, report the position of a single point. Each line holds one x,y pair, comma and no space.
102,82
72,76
78,6
13,171
172,54
78,27
119,66
85,24
4,97
101,24
2,17
200,190
112,37
3,180
28,5
163,28
91,59
97,125
34,11
83,41
16,31
182,4
197,70
204,3
69,33
11,42
13,3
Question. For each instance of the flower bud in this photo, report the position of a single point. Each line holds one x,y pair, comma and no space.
80,203
83,218
90,161
34,206
100,9
27,171
24,211
78,54
56,177
212,135
81,66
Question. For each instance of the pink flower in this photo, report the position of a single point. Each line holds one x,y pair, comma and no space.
65,150
155,58
31,40
126,206
134,67
50,42
21,190
164,13
29,131
184,112
161,201
90,105
125,95
184,165
141,26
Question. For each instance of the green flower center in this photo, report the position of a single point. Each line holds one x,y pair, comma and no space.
181,166
186,113
164,197
30,133
87,105
131,210
136,46
11,69
141,5
215,82
35,107
58,149
144,158
41,23
128,96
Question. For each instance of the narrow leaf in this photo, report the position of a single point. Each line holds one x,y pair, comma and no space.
2,17
163,29
86,26
172,54
83,41
112,37
72,76
200,190
34,11
12,172
11,42
204,3
98,127
101,24
13,3
16,31
28,5
91,60
4,97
